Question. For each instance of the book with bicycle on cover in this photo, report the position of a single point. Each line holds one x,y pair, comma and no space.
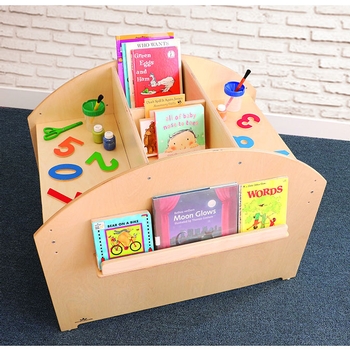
195,215
121,235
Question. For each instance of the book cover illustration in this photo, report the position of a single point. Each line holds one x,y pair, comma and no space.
153,103
121,235
191,216
180,129
263,204
156,69
120,39
128,64
148,136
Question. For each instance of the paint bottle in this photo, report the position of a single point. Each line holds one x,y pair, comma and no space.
109,142
98,133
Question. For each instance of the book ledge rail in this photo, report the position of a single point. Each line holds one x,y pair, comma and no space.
192,251
240,149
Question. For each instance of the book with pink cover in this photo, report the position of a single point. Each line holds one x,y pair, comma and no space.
156,70
120,39
192,216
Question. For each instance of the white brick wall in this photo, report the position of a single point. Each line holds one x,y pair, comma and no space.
299,55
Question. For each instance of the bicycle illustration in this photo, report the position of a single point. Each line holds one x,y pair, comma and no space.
124,241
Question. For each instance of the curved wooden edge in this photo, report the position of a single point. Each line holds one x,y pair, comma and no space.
211,74
67,254
192,251
65,103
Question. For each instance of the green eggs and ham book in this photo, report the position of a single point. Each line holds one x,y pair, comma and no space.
197,215
180,129
156,69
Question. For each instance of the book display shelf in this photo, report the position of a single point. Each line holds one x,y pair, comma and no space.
80,181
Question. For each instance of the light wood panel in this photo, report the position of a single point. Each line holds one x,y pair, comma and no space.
66,249
80,292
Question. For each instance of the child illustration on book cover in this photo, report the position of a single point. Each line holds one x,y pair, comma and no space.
180,130
181,140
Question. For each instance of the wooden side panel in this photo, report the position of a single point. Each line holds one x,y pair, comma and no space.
79,291
66,249
217,135
66,102
128,129
212,76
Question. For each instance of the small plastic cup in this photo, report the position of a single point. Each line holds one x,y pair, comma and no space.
233,98
92,116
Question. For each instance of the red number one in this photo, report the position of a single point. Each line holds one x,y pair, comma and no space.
61,196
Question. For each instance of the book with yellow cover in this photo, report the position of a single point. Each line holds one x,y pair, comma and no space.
263,204
152,103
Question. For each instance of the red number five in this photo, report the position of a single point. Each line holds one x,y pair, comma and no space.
67,143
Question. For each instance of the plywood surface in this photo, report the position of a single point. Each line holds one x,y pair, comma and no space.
66,249
65,244
92,174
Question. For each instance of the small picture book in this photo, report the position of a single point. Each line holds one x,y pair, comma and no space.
148,136
192,216
152,103
263,204
121,235
180,129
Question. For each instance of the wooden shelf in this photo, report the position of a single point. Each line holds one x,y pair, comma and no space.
80,292
82,152
191,251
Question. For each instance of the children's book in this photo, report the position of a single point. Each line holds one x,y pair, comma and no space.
263,204
132,38
152,103
148,136
127,49
121,235
156,69
192,216
180,129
